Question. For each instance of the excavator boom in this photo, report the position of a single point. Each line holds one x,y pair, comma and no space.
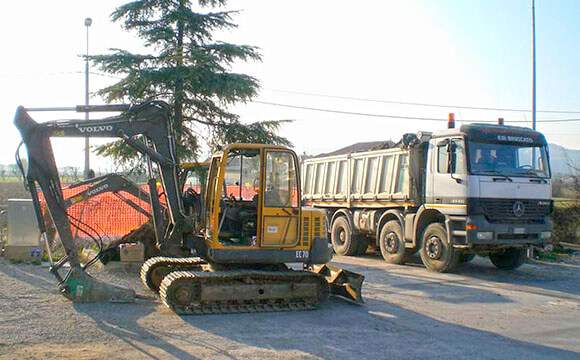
147,129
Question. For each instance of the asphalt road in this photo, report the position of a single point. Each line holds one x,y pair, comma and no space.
479,313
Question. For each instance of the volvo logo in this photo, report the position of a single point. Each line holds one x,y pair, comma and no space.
519,208
98,189
93,129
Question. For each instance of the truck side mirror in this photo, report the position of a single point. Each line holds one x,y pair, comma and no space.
450,159
451,164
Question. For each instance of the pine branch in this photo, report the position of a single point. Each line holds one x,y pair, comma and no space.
187,68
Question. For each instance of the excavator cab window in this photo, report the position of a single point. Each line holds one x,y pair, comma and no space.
193,189
239,200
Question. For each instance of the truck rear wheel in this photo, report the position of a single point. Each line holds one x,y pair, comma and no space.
436,252
341,236
510,259
392,243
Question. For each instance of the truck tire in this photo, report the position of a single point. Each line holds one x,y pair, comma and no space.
341,236
509,259
436,252
392,243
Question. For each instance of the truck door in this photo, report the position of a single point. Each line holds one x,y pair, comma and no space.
281,209
448,185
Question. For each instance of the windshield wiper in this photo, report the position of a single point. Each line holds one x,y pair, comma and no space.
532,172
483,172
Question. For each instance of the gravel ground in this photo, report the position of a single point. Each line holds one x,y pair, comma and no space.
482,313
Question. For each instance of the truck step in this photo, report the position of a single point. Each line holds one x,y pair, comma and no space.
462,233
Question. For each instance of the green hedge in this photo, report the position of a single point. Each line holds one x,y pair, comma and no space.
566,218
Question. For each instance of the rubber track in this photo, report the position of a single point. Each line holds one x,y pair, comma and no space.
258,305
175,264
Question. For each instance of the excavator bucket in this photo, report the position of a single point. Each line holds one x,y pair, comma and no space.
343,283
80,287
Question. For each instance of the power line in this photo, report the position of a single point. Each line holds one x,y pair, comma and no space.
418,103
105,75
399,116
403,103
376,101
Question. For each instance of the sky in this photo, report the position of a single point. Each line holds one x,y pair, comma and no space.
451,52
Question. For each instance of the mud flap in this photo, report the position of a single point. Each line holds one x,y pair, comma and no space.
80,287
343,283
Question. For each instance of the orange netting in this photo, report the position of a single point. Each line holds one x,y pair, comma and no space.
111,217
106,213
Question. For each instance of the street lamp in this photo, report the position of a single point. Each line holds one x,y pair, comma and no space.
88,22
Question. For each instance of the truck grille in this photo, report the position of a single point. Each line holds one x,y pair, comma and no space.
506,211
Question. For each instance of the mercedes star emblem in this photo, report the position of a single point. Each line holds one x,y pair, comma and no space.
519,208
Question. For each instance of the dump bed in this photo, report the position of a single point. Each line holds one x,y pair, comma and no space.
379,178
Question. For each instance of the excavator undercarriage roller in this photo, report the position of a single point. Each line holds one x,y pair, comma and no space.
234,291
157,268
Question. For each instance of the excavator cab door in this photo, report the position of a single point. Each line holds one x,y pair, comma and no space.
280,200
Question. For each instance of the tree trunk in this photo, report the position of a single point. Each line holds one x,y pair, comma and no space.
178,105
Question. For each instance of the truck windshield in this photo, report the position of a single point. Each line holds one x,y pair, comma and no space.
508,159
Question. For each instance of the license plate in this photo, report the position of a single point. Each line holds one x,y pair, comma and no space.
519,230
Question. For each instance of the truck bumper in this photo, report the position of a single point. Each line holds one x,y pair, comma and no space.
486,233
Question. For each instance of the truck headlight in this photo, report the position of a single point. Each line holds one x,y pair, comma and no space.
485,235
545,235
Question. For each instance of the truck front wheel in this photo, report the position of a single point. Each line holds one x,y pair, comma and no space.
341,236
436,252
392,243
509,259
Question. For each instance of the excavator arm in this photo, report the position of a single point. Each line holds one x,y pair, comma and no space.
146,128
110,183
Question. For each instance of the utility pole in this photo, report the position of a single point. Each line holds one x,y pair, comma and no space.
534,77
88,22
534,64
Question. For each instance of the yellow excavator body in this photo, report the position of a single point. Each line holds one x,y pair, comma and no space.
253,225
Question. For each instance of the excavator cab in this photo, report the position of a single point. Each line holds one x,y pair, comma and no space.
254,198
253,204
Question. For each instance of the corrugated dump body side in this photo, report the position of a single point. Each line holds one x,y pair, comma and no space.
372,179
365,186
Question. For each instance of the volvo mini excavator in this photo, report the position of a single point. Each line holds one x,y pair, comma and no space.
228,254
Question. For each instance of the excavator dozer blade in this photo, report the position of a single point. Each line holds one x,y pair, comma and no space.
80,287
343,283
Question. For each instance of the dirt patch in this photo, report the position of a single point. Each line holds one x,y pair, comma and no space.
480,311
62,351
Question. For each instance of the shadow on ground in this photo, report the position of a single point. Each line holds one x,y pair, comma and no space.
377,330
530,277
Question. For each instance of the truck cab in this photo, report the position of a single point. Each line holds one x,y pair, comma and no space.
492,184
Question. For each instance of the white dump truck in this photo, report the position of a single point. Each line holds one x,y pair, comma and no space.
480,189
